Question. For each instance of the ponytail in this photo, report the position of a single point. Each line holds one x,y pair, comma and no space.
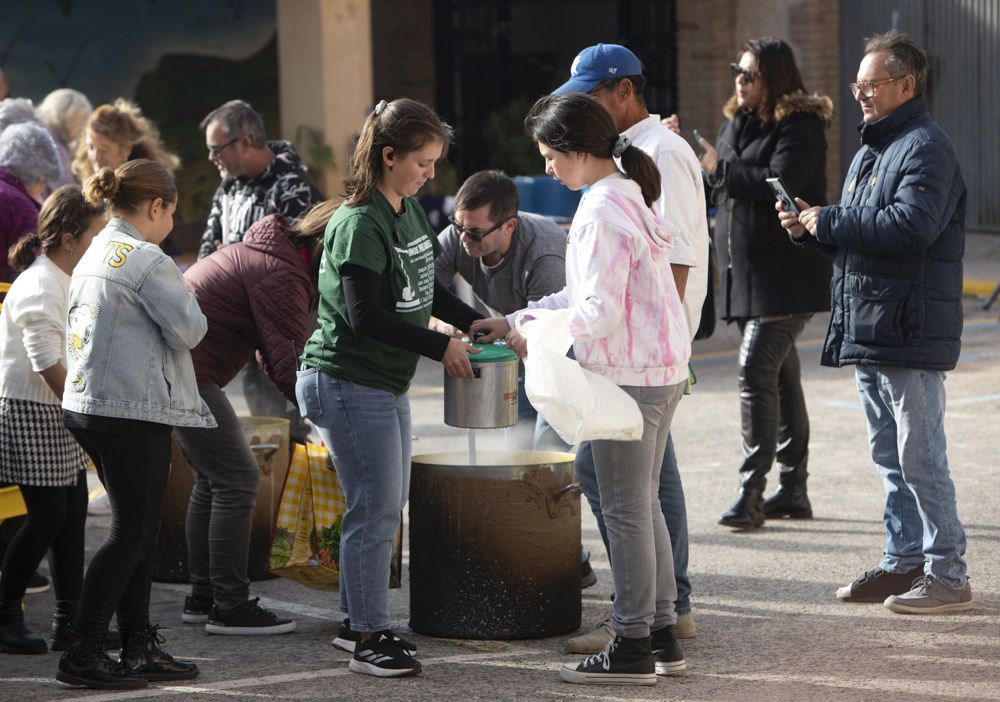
126,188
64,212
24,252
642,169
576,122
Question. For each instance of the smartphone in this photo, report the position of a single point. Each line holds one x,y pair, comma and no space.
781,194
697,136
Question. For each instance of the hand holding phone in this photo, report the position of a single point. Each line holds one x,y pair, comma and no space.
781,194
697,137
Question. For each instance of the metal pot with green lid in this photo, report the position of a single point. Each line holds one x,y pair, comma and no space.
489,400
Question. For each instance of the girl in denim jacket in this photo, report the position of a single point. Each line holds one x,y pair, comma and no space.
132,324
628,325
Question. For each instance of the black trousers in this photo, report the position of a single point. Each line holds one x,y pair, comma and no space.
134,471
55,524
775,424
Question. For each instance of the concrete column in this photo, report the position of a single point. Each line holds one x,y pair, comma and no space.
325,74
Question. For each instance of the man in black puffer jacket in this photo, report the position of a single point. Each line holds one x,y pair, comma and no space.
897,238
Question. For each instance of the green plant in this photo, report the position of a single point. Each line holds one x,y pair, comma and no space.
511,149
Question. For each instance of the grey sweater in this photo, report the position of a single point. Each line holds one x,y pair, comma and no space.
535,265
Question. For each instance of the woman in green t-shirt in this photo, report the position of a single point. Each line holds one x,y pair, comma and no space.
377,294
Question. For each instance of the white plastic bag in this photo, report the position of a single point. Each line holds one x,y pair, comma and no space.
578,404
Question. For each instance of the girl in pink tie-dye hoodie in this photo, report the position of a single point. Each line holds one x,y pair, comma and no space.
628,325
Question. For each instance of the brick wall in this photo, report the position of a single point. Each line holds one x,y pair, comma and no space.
709,34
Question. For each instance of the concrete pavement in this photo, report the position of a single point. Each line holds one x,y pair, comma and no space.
769,626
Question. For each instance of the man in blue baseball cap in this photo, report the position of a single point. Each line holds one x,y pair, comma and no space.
614,76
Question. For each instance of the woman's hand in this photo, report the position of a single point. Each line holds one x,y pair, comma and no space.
456,359
492,329
517,343
673,123
710,159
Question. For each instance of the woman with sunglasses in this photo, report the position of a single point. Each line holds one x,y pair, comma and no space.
770,288
376,295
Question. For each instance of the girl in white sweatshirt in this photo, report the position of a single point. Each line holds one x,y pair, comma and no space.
628,325
37,453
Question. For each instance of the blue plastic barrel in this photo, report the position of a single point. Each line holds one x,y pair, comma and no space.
542,195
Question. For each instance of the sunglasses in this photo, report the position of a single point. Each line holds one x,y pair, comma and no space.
474,234
748,75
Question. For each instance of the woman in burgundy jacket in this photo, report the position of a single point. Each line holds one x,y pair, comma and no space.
257,295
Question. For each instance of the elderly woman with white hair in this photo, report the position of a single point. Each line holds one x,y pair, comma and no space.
29,161
65,112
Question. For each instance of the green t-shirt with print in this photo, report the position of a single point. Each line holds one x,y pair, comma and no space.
401,248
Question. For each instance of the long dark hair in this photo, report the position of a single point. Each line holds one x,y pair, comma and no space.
576,122
404,124
65,211
776,67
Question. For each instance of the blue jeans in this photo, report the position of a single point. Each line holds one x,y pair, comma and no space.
628,477
367,431
905,412
671,495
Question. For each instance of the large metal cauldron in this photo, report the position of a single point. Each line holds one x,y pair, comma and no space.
495,547
268,437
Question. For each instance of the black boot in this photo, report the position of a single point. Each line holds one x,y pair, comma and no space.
141,653
746,512
62,628
790,499
14,635
86,664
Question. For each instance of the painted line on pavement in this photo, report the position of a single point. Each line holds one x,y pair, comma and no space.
960,402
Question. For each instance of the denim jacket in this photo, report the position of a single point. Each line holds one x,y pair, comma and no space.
132,325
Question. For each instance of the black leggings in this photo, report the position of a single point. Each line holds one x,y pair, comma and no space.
134,470
55,523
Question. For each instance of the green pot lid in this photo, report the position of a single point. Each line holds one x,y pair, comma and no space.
497,352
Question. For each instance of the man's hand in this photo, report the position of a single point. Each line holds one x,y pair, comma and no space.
673,123
493,328
456,359
798,225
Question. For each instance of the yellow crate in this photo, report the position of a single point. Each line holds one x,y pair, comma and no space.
11,503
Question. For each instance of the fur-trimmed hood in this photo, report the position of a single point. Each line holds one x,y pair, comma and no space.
790,104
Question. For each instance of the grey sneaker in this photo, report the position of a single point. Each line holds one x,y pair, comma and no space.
929,596
685,628
593,641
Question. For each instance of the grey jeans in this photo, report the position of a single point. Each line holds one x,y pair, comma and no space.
220,513
628,479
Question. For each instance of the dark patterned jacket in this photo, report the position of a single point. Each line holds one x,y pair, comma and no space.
283,188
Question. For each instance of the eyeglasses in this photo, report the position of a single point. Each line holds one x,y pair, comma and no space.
472,233
748,75
216,150
867,87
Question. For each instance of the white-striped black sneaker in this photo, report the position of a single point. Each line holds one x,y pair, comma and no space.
382,657
347,639
247,619
622,662
667,654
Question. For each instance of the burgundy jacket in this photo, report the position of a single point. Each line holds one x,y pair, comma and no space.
256,294
18,216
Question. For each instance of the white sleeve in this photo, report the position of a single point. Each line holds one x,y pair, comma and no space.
36,312
681,203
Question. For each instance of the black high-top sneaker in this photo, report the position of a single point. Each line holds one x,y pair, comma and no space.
141,654
667,654
622,662
14,635
87,664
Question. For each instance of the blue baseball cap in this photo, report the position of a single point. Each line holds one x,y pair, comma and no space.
596,64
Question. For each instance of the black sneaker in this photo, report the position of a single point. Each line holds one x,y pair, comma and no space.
382,657
37,583
347,639
196,610
877,584
588,577
622,662
667,654
247,619
92,667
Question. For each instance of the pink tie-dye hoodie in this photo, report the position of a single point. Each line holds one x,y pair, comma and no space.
625,314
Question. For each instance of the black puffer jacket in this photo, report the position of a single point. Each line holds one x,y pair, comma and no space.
762,272
898,236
